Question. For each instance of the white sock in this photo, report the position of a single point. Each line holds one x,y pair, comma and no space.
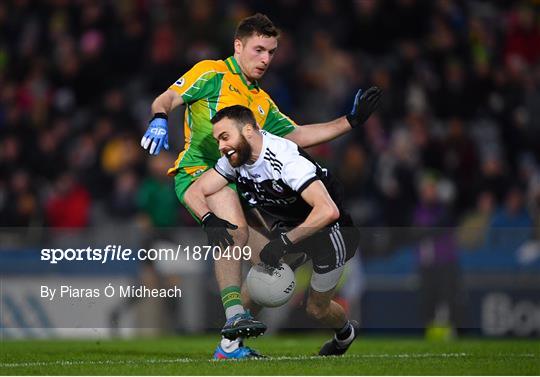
346,342
231,311
230,345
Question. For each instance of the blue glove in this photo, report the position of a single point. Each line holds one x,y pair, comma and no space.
364,105
156,135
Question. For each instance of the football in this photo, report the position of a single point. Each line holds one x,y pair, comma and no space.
270,287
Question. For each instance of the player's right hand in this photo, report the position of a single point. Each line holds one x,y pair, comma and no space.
156,135
216,229
272,252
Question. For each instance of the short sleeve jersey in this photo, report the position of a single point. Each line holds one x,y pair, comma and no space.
208,87
274,183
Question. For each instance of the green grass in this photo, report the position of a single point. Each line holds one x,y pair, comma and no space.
289,355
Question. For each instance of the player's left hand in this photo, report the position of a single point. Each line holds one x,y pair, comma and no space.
274,250
364,105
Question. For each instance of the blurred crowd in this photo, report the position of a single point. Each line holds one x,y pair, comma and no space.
458,127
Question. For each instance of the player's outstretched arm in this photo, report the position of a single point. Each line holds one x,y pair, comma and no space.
324,212
166,102
156,136
365,103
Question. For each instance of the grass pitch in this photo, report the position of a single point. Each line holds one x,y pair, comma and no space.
288,355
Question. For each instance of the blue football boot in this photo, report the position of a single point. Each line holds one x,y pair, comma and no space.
241,352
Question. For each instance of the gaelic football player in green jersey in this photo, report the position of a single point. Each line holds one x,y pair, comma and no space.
204,90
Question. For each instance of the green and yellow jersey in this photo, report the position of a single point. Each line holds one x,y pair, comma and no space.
207,88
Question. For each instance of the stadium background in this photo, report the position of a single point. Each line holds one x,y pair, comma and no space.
455,145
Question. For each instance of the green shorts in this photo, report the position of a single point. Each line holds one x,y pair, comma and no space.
183,180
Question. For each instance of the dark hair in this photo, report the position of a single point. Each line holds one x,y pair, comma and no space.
241,114
257,24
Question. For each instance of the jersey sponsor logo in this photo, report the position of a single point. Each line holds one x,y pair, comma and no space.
259,193
180,82
261,110
233,89
258,199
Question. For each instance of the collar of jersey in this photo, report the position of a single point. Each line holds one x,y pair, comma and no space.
233,66
261,155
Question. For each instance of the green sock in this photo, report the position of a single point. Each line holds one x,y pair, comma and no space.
230,297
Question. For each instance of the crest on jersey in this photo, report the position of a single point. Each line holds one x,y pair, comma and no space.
261,110
180,82
277,187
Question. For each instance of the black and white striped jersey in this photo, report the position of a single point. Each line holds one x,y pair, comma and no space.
275,181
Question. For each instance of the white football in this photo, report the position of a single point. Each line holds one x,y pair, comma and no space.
270,287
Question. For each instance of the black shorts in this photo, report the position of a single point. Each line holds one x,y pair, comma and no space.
331,247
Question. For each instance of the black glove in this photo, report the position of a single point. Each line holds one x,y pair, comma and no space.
364,105
216,229
274,250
